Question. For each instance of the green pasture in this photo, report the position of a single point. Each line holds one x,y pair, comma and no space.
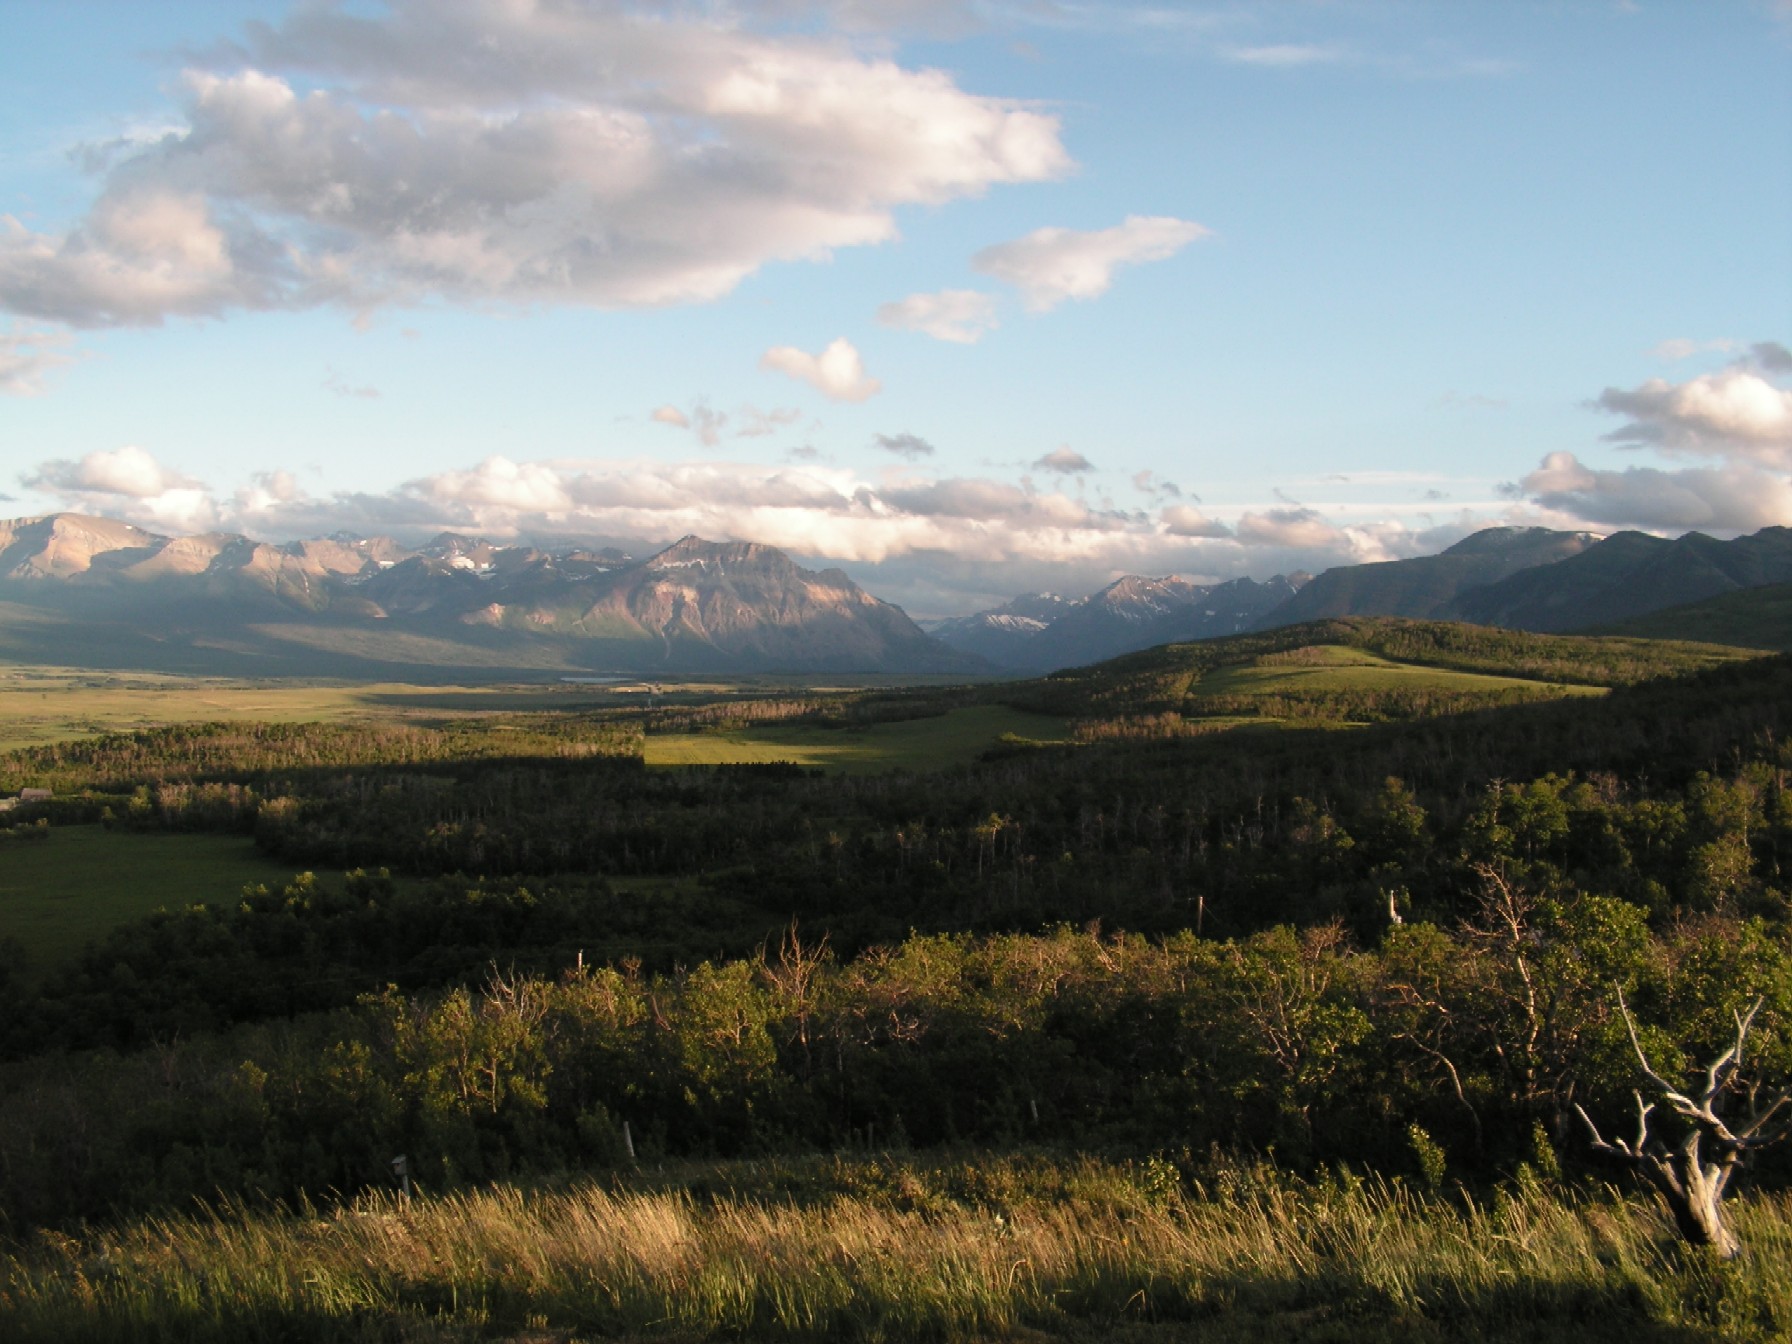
42,705
59,893
1339,668
953,738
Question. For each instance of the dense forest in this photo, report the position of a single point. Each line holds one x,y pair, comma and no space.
1401,939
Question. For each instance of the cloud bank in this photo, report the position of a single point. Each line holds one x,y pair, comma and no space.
600,154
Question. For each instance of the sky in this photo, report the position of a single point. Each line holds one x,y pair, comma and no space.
969,297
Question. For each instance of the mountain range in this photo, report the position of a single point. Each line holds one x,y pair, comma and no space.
1043,631
96,592
1523,578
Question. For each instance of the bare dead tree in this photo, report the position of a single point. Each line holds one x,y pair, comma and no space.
1693,1175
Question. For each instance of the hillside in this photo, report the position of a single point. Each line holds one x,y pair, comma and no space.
1750,618
1627,575
1425,587
1358,668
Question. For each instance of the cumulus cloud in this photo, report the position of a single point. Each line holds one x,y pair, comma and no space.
1295,527
1051,265
1064,460
527,487
127,482
129,471
671,415
962,316
1736,411
911,446
1733,498
26,356
1183,520
598,154
837,372
268,490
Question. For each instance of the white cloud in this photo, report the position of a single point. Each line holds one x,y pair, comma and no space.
1736,411
1294,527
1184,520
129,471
128,482
1051,265
837,372
671,415
1064,460
477,151
26,355
267,491
1724,499
962,316
498,482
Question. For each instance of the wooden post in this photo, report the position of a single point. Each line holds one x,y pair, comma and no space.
628,1141
401,1168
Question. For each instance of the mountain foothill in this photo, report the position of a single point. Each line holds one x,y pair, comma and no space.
91,591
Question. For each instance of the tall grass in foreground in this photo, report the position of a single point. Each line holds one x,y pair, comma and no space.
892,1251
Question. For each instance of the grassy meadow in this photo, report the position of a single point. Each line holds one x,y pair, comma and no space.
1337,667
953,738
42,705
77,882
892,1250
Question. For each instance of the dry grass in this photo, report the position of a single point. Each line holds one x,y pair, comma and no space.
1107,1252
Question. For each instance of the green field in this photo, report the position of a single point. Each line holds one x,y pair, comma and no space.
953,738
59,893
1337,667
41,705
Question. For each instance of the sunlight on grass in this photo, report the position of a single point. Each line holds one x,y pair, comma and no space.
894,1251
953,738
1334,667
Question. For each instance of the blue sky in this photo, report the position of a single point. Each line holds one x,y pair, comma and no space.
969,298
